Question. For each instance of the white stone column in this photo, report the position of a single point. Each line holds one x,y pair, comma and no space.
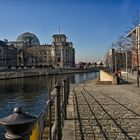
53,54
62,55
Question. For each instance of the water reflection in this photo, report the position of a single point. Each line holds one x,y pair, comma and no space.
31,93
24,92
82,77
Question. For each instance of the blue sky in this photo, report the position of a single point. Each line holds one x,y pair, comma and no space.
92,25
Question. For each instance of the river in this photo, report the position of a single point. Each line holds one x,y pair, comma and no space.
31,93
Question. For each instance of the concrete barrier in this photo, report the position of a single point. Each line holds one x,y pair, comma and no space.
107,79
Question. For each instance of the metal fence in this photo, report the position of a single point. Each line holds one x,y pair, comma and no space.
48,124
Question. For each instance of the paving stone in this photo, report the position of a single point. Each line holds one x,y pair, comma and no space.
109,111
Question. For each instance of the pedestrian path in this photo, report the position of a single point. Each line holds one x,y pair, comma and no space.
68,129
130,75
109,112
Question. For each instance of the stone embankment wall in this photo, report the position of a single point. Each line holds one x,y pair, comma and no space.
39,72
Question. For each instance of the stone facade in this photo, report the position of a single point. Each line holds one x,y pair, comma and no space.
8,55
60,54
63,53
39,55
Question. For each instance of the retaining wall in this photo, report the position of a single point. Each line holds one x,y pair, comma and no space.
38,72
107,78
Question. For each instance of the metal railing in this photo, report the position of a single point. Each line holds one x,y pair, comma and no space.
48,124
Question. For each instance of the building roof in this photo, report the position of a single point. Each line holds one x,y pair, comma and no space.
59,35
2,42
29,38
132,31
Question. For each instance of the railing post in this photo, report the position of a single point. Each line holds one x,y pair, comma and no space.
50,117
58,111
68,88
18,125
65,99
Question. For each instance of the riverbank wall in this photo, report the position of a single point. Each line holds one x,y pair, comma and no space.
40,72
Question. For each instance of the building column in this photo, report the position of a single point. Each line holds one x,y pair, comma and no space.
62,59
53,54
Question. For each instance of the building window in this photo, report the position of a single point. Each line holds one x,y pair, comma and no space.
58,59
58,52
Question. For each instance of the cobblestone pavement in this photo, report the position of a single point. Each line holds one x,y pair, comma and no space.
110,112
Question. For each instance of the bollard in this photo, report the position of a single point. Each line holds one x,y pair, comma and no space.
18,125
58,111
65,99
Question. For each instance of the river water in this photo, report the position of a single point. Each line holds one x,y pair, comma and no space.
31,93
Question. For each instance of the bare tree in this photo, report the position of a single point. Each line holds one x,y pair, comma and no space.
122,45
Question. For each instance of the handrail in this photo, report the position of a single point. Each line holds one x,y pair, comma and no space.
47,103
63,115
48,124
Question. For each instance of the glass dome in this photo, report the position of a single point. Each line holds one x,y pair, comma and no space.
29,38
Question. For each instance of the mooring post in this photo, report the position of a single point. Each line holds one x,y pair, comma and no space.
68,88
18,125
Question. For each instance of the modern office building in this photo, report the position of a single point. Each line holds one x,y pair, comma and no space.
134,36
118,59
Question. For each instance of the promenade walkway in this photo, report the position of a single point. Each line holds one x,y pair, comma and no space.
130,75
104,112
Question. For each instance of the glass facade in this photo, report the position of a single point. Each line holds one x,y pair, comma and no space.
29,38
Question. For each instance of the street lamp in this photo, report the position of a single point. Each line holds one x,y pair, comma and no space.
115,62
137,51
126,66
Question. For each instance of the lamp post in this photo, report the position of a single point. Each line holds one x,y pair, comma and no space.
126,66
115,62
137,51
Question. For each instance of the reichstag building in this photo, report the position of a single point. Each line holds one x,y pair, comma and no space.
30,53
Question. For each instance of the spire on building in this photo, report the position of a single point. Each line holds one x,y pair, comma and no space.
59,30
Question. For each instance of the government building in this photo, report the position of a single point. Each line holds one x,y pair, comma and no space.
30,53
8,55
